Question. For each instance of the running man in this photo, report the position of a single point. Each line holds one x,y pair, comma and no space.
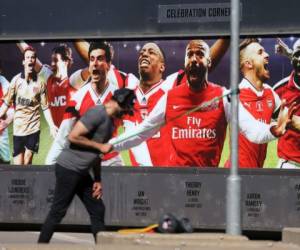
95,127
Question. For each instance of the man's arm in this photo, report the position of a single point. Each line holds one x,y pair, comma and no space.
46,111
78,136
49,120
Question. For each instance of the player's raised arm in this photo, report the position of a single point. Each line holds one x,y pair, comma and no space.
82,47
283,49
217,51
78,78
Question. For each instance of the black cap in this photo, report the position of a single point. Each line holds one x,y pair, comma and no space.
125,98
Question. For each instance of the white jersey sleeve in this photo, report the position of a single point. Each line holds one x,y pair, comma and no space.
60,141
254,130
132,81
76,80
148,128
45,73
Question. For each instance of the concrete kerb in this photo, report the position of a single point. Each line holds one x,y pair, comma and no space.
107,238
291,235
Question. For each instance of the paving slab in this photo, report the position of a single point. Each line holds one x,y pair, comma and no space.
109,240
291,235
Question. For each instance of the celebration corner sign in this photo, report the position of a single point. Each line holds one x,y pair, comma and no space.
194,13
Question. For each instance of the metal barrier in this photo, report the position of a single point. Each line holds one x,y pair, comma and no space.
139,196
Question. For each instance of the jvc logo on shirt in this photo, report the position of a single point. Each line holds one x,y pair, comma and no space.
59,101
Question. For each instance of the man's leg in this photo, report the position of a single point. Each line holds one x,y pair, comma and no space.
31,146
65,189
19,150
95,207
19,159
28,155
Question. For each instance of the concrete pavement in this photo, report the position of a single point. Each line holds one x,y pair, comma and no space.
150,241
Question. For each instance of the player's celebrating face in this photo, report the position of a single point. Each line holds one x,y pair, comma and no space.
29,61
197,62
151,63
296,57
257,60
98,66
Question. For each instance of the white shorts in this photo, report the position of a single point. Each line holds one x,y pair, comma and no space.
286,164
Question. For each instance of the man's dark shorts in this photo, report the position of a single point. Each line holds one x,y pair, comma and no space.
30,142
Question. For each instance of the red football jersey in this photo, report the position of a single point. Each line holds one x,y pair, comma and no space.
148,153
59,93
261,105
197,138
289,144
